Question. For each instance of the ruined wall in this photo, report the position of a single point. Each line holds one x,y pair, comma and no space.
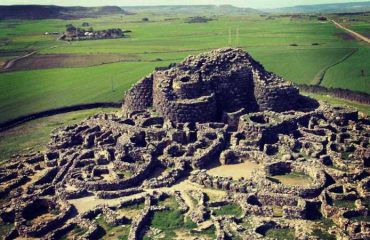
139,97
275,94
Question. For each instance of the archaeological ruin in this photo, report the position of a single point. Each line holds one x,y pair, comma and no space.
214,147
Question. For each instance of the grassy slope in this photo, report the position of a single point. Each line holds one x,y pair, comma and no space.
340,102
349,73
34,135
267,40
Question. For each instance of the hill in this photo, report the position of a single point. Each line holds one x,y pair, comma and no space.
29,12
327,8
193,9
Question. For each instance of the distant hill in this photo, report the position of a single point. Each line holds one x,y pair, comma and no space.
325,8
194,9
55,12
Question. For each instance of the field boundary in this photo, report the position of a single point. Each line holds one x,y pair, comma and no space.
320,76
26,118
346,94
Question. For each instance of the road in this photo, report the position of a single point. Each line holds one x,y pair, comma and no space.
353,33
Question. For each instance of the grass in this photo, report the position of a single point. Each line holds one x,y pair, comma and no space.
267,40
324,225
345,155
79,231
277,211
339,102
37,90
361,218
323,235
131,211
344,204
168,221
172,221
189,224
326,222
169,202
125,174
228,209
76,231
112,231
5,228
34,135
348,73
281,234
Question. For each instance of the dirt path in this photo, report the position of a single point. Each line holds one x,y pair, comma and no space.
353,33
10,63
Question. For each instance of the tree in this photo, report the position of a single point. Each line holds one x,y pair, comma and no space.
70,28
363,73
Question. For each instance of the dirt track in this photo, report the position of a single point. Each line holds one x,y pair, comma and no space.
353,33
11,63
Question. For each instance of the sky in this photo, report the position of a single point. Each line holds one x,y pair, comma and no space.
239,3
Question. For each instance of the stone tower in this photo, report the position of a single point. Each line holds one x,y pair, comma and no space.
213,87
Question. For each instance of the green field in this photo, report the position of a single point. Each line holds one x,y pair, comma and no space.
297,49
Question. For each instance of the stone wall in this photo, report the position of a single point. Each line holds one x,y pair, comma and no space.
139,97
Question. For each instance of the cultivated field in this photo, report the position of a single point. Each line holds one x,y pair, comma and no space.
87,71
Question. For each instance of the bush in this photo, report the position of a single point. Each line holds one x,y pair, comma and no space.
70,28
322,18
198,20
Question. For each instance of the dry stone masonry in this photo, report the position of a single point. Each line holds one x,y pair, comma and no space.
112,175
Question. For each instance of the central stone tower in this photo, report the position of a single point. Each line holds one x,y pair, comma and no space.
213,87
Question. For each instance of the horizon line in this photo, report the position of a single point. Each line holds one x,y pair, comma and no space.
164,5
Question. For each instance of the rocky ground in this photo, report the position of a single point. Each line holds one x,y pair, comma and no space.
248,169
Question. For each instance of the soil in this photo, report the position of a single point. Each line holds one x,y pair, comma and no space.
236,171
47,61
87,203
345,36
43,218
294,181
